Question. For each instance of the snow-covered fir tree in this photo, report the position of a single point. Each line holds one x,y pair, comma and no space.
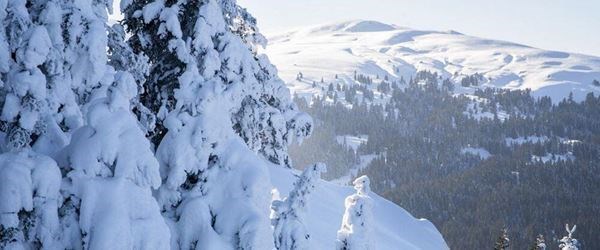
568,242
113,173
288,215
503,242
43,49
539,243
355,232
55,60
217,104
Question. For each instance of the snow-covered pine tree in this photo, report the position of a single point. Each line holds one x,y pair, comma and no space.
503,242
113,171
217,105
55,60
355,232
288,215
30,181
539,244
181,43
568,242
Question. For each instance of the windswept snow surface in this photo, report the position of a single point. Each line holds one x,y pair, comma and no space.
394,228
374,48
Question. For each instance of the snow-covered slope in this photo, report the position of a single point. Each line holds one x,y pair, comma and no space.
394,228
375,48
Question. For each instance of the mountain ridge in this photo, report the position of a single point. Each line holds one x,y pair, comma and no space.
378,49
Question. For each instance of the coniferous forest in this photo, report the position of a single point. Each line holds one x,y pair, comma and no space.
473,164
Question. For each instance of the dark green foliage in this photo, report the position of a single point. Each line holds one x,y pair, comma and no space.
166,67
363,79
472,80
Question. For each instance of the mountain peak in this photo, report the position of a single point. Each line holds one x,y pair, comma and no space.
368,26
354,26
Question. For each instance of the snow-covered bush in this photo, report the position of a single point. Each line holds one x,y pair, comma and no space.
355,232
288,215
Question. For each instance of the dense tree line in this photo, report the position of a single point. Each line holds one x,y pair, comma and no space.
547,175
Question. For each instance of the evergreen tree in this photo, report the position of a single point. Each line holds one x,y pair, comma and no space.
568,242
114,169
217,104
502,242
288,215
539,244
355,232
52,59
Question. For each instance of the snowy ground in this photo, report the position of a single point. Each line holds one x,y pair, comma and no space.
553,158
481,152
394,227
374,48
536,139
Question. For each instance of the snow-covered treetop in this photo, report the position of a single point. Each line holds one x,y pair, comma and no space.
362,185
568,242
288,215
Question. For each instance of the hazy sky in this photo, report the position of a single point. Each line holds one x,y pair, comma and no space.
565,25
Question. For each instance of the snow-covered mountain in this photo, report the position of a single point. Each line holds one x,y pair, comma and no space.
374,48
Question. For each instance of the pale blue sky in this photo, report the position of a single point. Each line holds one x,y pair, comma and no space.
565,25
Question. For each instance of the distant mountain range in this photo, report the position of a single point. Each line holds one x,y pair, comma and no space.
377,49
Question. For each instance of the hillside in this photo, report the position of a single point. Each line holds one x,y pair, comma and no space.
394,227
378,49
474,135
